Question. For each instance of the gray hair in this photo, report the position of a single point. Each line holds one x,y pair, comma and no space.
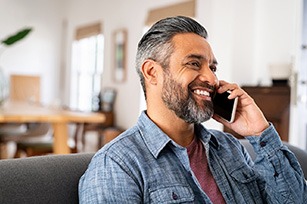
156,43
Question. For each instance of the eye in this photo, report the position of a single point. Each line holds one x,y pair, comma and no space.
194,65
213,68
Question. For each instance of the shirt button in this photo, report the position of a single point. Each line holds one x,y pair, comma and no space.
174,196
262,144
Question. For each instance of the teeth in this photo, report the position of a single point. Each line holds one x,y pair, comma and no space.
201,92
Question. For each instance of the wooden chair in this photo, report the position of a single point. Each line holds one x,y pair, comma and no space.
37,140
26,88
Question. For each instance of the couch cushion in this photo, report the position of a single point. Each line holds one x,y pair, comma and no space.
44,179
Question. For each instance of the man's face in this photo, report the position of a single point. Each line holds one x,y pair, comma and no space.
190,80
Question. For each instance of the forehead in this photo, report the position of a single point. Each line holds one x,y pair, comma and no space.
190,43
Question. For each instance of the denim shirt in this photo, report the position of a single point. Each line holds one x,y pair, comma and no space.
143,165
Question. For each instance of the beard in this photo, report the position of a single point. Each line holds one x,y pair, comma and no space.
183,102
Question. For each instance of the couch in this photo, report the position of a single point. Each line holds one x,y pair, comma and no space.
54,178
42,179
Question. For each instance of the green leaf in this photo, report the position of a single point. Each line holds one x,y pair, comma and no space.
16,37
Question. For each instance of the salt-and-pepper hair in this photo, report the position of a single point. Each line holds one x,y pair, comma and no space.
156,43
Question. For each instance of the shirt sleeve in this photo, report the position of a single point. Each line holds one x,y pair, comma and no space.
283,176
107,181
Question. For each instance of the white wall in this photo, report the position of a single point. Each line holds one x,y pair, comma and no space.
38,53
246,36
118,15
249,35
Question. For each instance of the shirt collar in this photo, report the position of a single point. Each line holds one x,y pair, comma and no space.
156,140
207,136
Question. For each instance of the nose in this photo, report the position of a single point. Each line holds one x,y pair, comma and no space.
207,75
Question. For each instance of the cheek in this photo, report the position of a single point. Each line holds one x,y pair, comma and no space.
186,77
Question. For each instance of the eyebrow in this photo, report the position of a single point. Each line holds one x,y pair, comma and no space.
201,57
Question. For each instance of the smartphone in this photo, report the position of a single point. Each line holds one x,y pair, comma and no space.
224,107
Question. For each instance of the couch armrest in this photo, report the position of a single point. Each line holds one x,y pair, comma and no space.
44,179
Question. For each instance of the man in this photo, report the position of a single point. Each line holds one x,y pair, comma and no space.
169,157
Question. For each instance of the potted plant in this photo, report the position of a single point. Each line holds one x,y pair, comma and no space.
16,37
9,41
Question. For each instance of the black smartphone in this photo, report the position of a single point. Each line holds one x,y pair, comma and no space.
224,107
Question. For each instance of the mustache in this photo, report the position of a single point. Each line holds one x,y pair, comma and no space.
202,84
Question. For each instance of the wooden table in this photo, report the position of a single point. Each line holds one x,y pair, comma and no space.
22,112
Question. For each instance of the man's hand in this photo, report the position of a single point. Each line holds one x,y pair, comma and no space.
249,119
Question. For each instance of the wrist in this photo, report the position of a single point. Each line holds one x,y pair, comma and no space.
265,126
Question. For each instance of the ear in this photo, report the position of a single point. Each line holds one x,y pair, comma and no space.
150,72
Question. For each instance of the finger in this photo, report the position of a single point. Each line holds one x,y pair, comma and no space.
236,92
233,88
224,86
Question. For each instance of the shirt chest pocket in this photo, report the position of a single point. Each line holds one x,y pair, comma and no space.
244,175
172,194
245,185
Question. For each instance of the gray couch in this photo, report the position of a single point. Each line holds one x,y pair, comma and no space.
45,179
54,179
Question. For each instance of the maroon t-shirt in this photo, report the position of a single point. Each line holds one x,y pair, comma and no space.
200,167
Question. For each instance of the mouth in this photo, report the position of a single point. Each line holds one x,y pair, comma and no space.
204,94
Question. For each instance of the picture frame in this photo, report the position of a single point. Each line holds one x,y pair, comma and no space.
120,52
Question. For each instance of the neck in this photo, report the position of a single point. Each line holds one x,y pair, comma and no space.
177,129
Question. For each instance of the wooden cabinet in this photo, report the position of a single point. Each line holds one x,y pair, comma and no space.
274,102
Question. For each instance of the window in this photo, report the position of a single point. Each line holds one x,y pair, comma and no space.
87,68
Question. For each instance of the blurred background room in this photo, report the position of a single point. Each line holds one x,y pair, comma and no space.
83,51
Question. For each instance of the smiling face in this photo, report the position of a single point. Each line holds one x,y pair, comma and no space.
190,80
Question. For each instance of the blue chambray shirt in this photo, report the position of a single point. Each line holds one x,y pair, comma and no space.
143,165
